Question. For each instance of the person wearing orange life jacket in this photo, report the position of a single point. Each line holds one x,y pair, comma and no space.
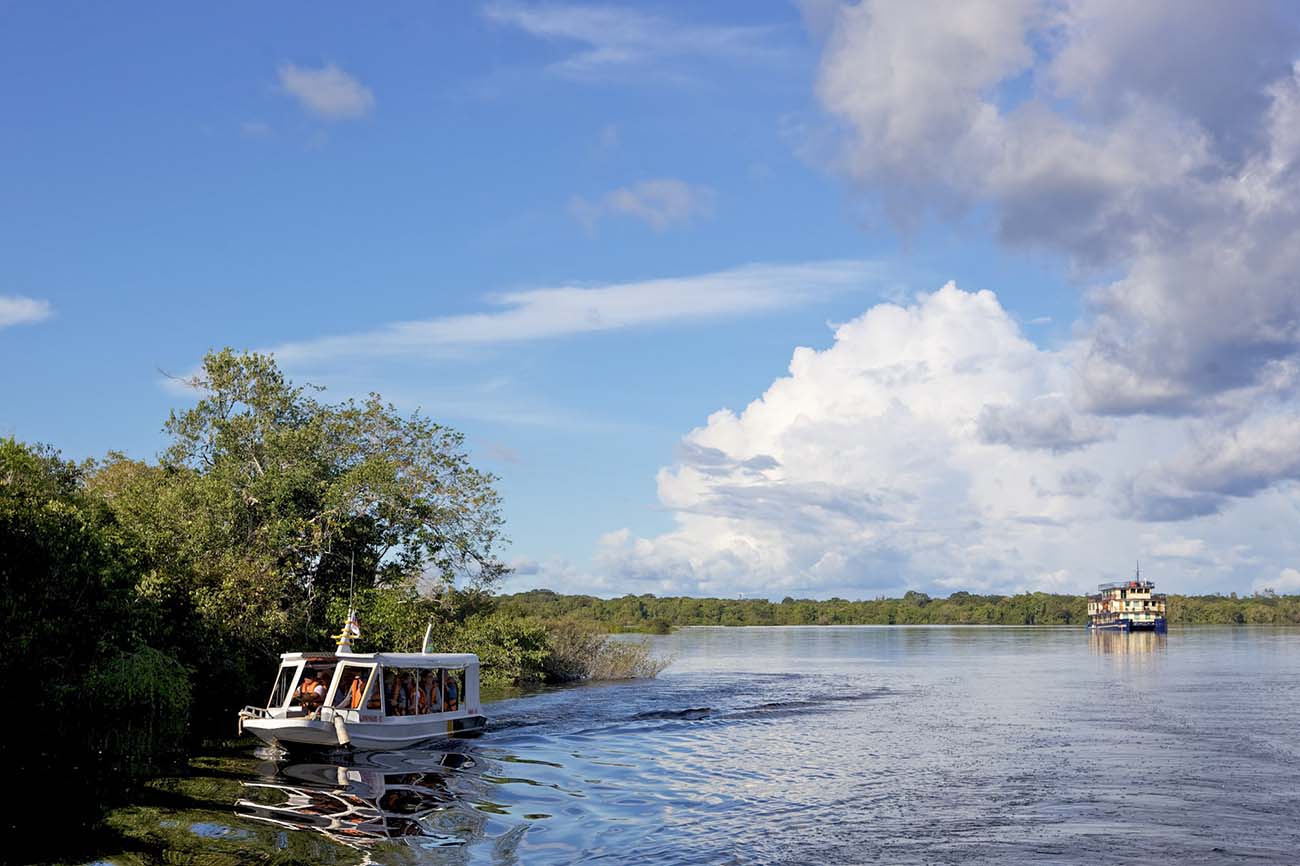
412,694
396,694
356,691
307,690
428,693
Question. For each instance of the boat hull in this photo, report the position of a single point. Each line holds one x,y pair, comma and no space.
395,733
1159,626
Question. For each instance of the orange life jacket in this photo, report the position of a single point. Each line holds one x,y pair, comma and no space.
355,692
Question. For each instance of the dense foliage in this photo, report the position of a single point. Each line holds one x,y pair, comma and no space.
647,613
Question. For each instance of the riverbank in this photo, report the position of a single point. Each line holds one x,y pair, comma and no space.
657,615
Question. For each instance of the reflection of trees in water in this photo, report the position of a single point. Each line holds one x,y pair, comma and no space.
423,798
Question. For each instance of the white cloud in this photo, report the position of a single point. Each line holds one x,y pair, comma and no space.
1177,547
1287,582
327,92
616,38
871,468
19,310
1224,464
661,203
549,313
1133,138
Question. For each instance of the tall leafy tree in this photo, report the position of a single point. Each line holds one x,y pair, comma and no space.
299,495
271,504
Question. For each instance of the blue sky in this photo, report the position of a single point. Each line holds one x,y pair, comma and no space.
551,192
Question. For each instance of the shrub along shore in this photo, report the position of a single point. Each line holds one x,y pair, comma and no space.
144,602
654,615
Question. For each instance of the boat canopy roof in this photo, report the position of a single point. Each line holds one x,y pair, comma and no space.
396,660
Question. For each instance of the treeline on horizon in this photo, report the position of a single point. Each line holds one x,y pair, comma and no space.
654,614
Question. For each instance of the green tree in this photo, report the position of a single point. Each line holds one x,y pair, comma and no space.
108,707
271,504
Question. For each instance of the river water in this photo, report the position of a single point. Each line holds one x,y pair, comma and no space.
807,745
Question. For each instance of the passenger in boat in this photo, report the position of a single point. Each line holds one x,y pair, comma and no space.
355,691
429,693
396,694
322,686
311,692
412,687
307,690
452,694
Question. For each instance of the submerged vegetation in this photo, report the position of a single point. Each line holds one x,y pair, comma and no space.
648,613
144,603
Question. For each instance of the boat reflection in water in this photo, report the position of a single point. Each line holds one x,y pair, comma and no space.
371,799
1135,643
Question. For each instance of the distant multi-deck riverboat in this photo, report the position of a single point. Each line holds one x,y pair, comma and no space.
1127,606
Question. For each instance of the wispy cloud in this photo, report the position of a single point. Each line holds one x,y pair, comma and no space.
561,311
255,129
614,37
19,310
660,203
327,92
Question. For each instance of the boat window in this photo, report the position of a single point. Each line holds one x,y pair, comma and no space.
283,683
351,685
401,691
430,694
453,689
311,690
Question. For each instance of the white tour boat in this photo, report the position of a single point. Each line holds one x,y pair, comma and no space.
367,700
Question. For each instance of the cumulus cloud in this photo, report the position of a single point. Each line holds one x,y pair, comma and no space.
1133,138
661,203
867,464
930,447
20,310
326,92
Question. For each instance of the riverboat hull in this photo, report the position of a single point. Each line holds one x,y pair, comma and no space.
1159,626
394,733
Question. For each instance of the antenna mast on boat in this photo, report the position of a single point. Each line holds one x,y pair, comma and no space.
351,628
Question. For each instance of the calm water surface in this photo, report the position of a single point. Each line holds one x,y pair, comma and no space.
809,745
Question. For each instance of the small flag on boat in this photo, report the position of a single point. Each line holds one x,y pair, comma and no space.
351,629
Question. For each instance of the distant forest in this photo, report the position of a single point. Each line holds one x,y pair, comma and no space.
648,613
